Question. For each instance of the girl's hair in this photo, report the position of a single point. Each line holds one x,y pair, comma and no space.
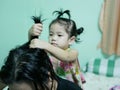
68,23
27,64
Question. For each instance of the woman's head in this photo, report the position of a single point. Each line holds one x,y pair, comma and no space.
66,25
25,65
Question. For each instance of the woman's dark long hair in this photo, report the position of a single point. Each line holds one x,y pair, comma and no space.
24,63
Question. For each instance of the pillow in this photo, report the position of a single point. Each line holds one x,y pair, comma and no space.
105,67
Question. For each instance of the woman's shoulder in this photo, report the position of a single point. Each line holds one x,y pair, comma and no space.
64,84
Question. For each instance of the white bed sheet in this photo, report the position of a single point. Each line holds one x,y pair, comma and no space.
99,82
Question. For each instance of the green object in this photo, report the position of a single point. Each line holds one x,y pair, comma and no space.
60,71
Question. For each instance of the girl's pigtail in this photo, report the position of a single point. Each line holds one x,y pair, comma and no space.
68,13
80,30
61,13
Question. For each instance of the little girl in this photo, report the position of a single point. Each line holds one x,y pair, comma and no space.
62,33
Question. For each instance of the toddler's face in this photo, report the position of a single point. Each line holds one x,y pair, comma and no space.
58,36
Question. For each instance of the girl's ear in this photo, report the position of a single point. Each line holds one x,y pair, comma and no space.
72,40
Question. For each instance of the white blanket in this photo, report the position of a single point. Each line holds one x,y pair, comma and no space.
99,82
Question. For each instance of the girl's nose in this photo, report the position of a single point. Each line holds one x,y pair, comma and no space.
54,37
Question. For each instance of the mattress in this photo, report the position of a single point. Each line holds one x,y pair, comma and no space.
99,82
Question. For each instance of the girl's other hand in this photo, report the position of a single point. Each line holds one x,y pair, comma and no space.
36,43
35,30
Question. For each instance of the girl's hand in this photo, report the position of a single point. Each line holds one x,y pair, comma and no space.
35,30
36,43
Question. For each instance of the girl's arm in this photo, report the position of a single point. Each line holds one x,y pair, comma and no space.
64,55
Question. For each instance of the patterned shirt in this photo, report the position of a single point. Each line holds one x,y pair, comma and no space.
68,70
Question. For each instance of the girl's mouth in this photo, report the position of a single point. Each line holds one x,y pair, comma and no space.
54,44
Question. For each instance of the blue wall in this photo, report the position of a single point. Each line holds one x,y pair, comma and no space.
15,20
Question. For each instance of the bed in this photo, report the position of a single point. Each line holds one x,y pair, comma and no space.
102,74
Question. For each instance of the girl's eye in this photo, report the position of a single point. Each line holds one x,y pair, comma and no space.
60,35
50,34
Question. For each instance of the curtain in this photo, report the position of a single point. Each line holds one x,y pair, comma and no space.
110,27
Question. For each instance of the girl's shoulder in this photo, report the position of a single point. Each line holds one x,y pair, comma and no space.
72,50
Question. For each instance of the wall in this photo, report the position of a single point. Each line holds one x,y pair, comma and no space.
15,20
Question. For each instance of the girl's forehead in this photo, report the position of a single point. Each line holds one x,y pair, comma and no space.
57,28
